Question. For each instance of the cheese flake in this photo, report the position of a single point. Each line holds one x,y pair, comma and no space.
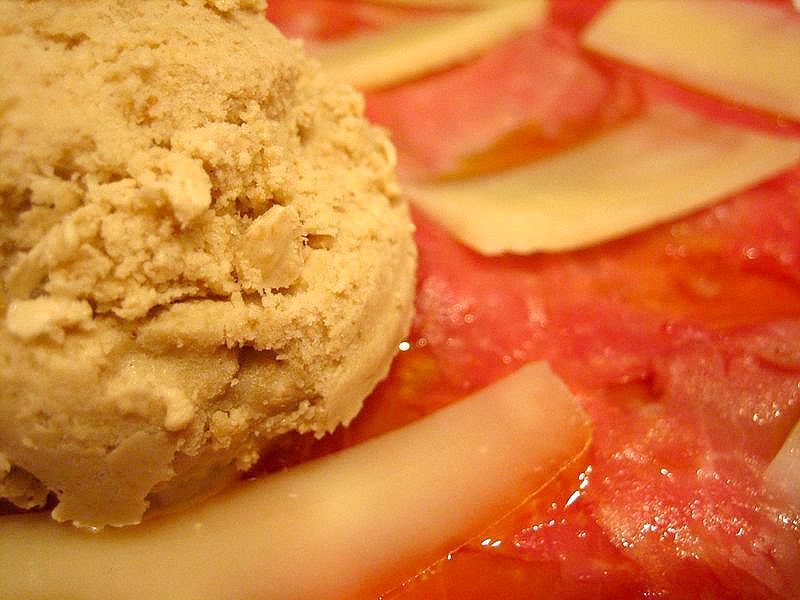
413,49
743,52
659,166
782,476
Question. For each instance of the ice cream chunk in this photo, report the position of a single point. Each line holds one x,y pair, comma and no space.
202,245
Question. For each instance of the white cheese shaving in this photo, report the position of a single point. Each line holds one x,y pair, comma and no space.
659,166
413,49
782,475
346,526
745,52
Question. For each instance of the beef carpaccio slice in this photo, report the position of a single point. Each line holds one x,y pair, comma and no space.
682,341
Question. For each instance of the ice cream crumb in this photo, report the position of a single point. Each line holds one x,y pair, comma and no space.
47,316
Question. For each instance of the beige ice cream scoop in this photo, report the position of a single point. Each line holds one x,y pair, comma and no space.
203,248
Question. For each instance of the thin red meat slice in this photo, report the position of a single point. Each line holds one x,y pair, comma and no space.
651,503
323,20
681,490
740,391
538,81
677,455
478,320
575,14
601,316
775,249
674,482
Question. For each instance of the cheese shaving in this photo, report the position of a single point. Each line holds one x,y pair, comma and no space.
782,476
347,526
744,52
413,49
661,165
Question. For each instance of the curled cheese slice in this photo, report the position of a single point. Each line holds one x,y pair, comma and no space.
413,49
349,525
657,167
745,52
783,473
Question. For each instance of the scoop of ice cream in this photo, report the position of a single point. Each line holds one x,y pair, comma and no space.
202,244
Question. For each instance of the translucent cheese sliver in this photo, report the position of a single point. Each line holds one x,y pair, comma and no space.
349,525
783,473
423,45
659,166
744,51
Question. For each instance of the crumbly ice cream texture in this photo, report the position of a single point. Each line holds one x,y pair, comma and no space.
203,247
